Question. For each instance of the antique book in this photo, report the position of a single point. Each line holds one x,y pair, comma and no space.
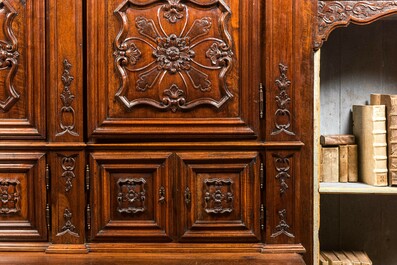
337,139
329,164
352,163
342,257
343,163
331,258
353,259
363,257
390,101
369,128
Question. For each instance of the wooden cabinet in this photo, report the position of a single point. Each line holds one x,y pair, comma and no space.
167,126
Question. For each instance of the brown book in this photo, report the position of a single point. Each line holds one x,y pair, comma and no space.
369,128
342,257
390,101
350,255
329,164
363,257
323,260
331,258
337,139
343,163
352,163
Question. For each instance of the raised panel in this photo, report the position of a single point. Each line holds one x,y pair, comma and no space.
219,197
22,197
132,193
172,64
22,61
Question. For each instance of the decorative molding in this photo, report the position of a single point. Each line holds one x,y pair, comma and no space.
282,227
67,98
283,115
68,166
68,228
10,196
9,56
282,165
131,195
218,196
333,14
173,56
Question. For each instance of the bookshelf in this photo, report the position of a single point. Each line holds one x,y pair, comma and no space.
355,62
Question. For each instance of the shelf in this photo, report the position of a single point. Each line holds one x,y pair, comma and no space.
354,188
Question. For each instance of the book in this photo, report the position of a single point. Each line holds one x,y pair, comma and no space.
343,163
353,259
331,258
342,257
363,257
390,101
369,128
352,163
329,164
337,139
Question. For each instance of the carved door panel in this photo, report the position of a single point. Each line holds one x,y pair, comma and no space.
219,197
23,197
22,82
132,197
173,68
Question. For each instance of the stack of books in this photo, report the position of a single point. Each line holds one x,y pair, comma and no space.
344,258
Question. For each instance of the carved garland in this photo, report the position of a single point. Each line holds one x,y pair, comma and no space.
282,165
68,228
9,56
131,195
173,55
333,14
67,98
218,197
282,227
68,166
283,115
10,196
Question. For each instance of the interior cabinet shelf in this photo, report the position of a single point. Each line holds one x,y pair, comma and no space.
354,188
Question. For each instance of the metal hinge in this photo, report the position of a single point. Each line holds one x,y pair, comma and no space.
87,177
262,217
88,217
47,177
261,102
262,176
48,216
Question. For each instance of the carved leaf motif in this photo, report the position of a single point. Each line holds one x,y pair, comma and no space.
131,195
147,80
199,79
147,28
173,11
174,98
68,228
219,54
218,196
199,28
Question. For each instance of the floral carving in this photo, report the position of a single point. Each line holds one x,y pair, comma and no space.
131,195
68,228
282,227
282,165
332,14
218,196
9,56
9,196
68,166
174,55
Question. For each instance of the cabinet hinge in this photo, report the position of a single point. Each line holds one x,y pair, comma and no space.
48,216
88,217
47,177
262,217
87,177
262,176
261,102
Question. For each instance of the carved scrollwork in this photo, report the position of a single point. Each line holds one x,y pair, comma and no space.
282,228
68,166
10,196
333,14
131,195
282,165
9,56
68,228
283,115
218,197
67,98
174,55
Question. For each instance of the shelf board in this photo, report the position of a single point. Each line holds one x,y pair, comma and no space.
354,188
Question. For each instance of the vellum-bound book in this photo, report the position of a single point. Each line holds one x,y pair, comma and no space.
390,101
369,128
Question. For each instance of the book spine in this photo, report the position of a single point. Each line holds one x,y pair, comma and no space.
343,163
329,164
392,138
379,145
352,163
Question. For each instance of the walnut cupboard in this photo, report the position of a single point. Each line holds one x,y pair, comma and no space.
158,126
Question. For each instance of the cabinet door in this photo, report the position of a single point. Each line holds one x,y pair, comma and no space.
22,197
22,63
219,197
173,68
131,197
